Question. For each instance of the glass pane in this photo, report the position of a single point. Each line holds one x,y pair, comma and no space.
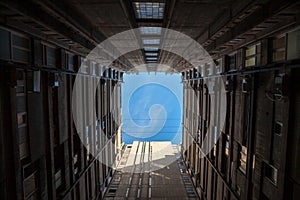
279,42
278,55
21,55
51,59
250,62
151,49
29,185
5,46
232,62
151,54
20,41
151,58
149,10
251,51
151,41
21,117
150,30
271,173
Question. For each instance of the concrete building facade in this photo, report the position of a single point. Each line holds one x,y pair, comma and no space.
255,46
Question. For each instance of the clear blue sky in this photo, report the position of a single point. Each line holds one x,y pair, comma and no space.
152,107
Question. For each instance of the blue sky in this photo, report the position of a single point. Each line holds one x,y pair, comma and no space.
151,107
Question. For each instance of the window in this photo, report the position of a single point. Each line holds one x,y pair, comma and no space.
151,54
209,68
5,46
199,136
150,30
87,141
225,156
227,145
252,54
215,142
232,62
271,173
93,69
21,117
30,187
243,159
190,191
20,48
33,81
50,55
76,157
278,128
58,180
238,190
279,48
151,48
121,76
70,61
23,143
20,82
59,166
151,41
293,45
186,179
149,10
97,135
219,66
36,81
151,58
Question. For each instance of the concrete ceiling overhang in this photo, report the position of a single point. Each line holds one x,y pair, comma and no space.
220,26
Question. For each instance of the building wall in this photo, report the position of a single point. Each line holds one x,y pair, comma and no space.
42,156
256,156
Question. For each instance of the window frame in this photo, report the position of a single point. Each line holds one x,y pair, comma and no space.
243,159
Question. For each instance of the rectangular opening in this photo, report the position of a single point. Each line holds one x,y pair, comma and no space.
151,41
21,117
20,42
227,145
5,45
250,62
252,55
30,185
151,58
271,173
232,62
70,61
151,54
23,143
143,90
20,82
149,10
250,51
58,180
219,66
20,48
50,56
186,180
151,48
279,48
278,128
190,191
243,159
150,30
293,45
